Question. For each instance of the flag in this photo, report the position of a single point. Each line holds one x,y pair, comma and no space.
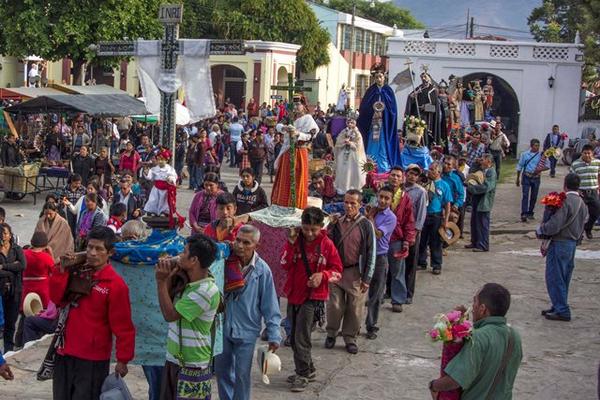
403,80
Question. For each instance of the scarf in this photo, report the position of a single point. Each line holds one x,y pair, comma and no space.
172,201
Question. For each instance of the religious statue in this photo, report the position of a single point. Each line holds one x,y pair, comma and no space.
342,99
424,103
478,99
444,99
291,180
414,152
163,196
465,95
488,90
377,122
349,157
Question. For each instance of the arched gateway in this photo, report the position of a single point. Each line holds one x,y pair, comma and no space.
537,84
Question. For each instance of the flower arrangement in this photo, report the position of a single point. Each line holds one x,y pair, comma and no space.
415,124
452,327
554,200
564,136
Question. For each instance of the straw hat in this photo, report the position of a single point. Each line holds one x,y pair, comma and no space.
476,178
32,305
451,234
268,362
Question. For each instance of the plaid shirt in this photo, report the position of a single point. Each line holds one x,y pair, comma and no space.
474,153
73,196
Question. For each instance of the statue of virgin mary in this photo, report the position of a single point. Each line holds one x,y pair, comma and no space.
377,122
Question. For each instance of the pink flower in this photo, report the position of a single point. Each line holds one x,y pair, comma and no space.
462,330
454,316
434,334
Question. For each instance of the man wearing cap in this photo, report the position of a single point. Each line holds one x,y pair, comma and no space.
438,212
499,143
482,201
419,201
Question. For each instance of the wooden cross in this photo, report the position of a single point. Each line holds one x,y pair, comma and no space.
170,15
291,88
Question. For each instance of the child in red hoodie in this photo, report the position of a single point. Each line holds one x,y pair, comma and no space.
312,262
83,356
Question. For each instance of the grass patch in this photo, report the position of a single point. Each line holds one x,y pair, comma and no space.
508,170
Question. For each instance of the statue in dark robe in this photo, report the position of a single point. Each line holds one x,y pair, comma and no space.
424,102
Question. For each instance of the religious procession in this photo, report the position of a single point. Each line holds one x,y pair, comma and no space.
222,234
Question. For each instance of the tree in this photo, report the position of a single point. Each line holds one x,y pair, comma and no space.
560,20
290,21
556,20
384,13
55,29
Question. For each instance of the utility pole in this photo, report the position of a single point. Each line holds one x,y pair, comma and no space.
467,26
349,86
471,30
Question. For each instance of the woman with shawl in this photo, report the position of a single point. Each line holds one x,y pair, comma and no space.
57,230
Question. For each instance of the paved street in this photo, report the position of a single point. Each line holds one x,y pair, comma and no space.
560,359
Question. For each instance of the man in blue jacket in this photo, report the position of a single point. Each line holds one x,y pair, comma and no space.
246,308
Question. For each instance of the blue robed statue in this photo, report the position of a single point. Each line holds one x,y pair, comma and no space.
377,121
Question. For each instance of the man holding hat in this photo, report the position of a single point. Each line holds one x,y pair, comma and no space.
482,201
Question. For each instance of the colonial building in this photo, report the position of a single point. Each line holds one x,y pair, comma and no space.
369,47
234,77
536,84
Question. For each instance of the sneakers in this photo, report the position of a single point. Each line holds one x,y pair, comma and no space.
436,271
299,384
371,335
397,308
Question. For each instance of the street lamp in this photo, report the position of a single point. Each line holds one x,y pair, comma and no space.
551,82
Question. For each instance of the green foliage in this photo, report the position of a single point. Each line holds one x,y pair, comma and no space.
290,21
559,21
384,13
55,29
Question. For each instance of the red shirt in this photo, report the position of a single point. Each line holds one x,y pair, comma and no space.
39,267
104,313
322,257
129,162
212,231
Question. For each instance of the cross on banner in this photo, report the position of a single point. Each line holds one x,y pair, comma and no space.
170,15
291,88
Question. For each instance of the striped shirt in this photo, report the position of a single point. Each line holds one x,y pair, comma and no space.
197,307
588,173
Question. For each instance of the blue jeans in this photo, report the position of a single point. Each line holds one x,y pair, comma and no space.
233,367
153,375
398,274
233,154
560,262
530,188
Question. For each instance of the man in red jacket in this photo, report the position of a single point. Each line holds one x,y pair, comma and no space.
402,238
312,262
83,357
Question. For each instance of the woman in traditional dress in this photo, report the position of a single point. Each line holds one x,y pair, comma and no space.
242,150
130,159
57,230
203,209
349,158
300,134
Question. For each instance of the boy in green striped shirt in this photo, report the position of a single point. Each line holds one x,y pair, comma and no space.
588,170
189,342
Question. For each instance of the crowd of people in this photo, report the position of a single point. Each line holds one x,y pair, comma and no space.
371,248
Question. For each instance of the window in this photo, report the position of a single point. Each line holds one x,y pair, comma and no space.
368,42
347,37
362,83
359,35
378,44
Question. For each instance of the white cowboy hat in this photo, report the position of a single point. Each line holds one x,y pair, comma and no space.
268,362
32,305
